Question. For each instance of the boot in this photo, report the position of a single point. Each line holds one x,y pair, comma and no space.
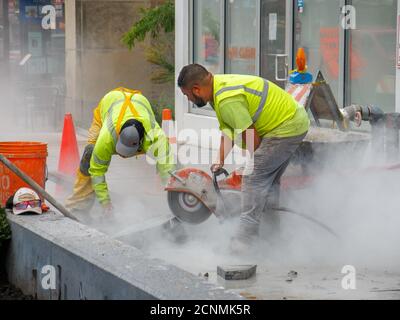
242,242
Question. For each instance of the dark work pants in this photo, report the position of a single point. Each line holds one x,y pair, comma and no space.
262,183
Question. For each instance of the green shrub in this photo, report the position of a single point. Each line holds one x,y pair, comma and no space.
158,22
5,231
161,104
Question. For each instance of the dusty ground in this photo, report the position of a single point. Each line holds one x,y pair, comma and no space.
319,277
367,242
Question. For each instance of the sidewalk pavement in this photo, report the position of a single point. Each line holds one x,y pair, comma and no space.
140,201
136,191
135,188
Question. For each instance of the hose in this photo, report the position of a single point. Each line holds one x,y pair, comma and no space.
280,209
368,113
307,217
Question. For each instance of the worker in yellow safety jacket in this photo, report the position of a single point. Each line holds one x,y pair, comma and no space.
123,124
262,118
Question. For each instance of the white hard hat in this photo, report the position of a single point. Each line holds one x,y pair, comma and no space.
26,200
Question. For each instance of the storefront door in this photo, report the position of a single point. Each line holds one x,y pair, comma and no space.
275,47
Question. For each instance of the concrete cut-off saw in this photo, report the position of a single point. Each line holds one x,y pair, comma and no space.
194,196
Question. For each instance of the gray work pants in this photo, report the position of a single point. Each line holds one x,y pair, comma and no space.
262,184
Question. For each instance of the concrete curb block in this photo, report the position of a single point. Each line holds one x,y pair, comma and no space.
91,265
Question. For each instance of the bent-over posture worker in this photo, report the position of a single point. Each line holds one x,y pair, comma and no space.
123,124
250,106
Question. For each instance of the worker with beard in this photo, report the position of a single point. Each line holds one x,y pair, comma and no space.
268,122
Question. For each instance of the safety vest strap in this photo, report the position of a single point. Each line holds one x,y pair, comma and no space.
151,116
263,101
262,94
127,104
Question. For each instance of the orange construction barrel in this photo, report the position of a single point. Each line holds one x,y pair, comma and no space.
30,158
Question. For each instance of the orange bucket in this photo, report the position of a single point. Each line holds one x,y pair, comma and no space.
30,158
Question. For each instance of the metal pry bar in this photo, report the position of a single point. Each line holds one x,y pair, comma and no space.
36,187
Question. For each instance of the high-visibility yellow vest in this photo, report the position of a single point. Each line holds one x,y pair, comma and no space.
269,105
121,105
117,107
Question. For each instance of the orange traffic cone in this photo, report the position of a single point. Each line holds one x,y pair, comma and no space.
301,60
68,162
168,125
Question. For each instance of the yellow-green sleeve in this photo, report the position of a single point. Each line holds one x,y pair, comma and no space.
99,163
235,116
161,151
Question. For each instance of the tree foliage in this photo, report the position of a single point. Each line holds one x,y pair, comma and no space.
161,54
154,21
158,23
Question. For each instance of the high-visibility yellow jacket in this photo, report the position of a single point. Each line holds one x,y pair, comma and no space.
113,113
269,105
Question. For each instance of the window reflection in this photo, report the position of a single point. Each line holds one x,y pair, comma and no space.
371,75
208,34
241,37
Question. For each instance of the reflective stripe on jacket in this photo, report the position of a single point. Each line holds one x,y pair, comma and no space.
269,105
110,109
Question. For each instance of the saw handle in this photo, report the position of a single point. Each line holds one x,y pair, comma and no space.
216,174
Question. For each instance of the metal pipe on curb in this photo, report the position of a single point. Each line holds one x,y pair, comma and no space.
36,187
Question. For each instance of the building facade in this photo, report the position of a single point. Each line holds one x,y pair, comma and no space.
355,43
50,69
97,61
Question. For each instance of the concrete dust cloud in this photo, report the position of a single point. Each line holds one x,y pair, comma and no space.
360,205
8,120
27,107
363,210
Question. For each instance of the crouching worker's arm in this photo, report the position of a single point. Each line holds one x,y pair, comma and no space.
162,152
99,164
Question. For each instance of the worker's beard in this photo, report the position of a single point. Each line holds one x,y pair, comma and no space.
199,102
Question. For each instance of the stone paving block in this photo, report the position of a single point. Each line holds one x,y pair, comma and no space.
242,272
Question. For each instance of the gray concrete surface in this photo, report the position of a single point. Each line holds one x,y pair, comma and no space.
91,265
318,277
368,243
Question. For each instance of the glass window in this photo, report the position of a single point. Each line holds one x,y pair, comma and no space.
371,73
208,39
242,37
320,37
3,30
208,34
225,45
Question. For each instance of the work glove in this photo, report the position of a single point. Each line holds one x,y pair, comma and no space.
216,167
84,165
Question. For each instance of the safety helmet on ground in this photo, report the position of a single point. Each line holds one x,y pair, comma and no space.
26,200
130,139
